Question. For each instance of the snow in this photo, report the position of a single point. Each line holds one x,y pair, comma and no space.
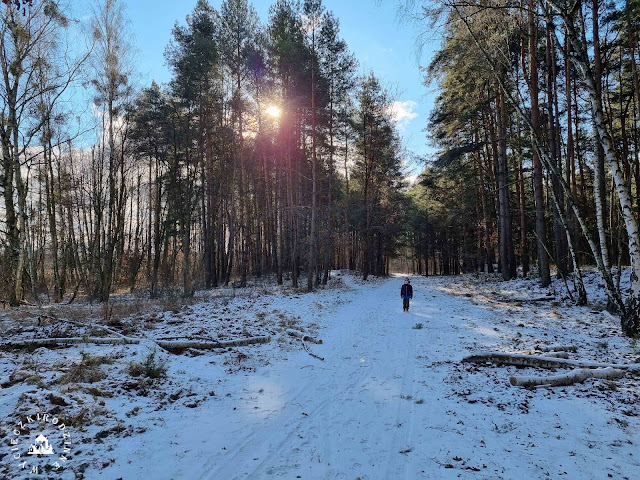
391,400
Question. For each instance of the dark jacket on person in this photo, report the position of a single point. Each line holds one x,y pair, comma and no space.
406,291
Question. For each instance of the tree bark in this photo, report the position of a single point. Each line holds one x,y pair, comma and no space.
520,360
543,258
574,376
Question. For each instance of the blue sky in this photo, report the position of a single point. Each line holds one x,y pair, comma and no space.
371,28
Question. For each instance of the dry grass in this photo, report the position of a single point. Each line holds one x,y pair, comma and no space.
35,380
114,312
96,392
287,322
87,371
85,416
153,367
81,374
126,313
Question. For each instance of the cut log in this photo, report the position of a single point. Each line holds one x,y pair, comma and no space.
302,336
176,345
54,318
557,354
524,300
169,345
557,348
520,360
574,376
548,354
52,342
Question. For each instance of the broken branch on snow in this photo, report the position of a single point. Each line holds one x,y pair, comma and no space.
52,342
586,369
311,353
524,300
557,354
302,336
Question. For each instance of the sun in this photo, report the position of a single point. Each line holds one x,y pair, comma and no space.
273,111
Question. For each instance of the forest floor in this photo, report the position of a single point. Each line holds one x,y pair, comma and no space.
390,400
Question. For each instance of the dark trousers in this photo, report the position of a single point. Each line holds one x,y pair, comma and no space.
405,303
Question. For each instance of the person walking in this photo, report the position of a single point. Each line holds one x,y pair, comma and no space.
406,292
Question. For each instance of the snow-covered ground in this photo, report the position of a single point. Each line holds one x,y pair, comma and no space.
391,400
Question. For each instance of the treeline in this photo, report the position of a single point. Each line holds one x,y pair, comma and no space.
537,121
265,154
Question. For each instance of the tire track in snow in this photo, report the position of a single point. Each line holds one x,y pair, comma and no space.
333,393
247,448
403,426
374,330
328,388
288,441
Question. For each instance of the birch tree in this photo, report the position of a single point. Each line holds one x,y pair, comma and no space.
27,40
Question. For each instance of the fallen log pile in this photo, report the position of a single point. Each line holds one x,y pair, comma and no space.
169,345
61,341
117,338
558,358
178,345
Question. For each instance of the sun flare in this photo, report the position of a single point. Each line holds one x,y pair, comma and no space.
273,111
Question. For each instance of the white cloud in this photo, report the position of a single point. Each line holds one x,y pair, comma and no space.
412,179
402,112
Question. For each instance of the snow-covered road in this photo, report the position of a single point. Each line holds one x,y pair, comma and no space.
345,417
392,401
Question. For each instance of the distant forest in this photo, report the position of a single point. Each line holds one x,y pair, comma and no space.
270,153
264,155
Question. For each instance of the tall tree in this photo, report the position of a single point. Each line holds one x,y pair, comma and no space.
238,37
289,61
27,40
111,80
543,258
338,66
377,167
194,56
313,11
149,135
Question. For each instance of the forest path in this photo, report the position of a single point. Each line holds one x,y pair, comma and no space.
392,401
365,409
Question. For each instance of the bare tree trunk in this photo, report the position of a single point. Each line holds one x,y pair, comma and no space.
599,173
509,262
314,168
574,376
58,286
554,150
543,258
347,237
